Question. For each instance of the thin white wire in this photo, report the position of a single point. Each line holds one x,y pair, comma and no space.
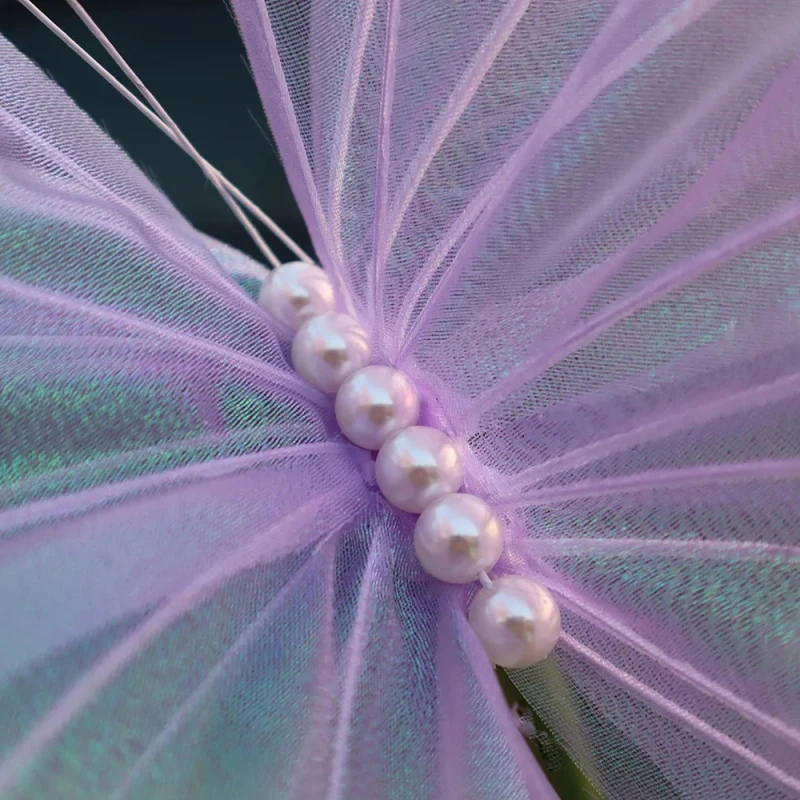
174,135
182,140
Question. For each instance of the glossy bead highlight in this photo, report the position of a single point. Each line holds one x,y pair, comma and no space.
416,466
296,292
375,402
517,620
457,537
328,349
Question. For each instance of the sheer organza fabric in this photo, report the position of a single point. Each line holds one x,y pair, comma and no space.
575,225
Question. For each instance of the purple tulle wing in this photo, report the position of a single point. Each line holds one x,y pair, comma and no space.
201,595
575,224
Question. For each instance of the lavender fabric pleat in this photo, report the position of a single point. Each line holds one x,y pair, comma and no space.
576,226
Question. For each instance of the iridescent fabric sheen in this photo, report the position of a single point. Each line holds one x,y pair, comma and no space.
576,226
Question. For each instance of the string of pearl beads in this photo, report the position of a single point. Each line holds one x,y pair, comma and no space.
458,537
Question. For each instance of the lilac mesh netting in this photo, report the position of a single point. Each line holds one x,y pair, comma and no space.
576,225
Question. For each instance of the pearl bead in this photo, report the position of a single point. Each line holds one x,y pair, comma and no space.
295,292
457,537
375,402
517,621
416,466
329,348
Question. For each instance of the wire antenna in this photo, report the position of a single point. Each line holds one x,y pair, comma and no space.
229,192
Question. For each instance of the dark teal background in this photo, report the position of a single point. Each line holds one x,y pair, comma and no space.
189,54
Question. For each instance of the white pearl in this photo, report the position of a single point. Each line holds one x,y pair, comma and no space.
375,402
329,348
457,537
295,292
416,466
517,621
